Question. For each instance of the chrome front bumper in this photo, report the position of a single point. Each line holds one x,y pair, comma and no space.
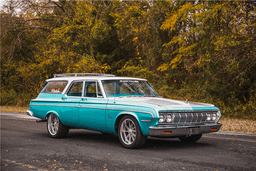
179,131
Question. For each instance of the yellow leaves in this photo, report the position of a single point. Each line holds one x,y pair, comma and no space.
164,67
134,39
202,32
136,30
170,23
105,68
180,15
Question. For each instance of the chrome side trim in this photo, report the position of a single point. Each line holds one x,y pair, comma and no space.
51,105
138,112
149,120
102,109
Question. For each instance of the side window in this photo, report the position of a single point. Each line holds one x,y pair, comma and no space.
76,89
55,87
109,87
90,89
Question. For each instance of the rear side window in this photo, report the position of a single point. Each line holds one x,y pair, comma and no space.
55,87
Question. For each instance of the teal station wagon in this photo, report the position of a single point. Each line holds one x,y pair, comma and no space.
125,106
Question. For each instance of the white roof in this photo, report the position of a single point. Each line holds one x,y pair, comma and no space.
99,78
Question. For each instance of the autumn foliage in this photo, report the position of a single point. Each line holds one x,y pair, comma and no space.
197,50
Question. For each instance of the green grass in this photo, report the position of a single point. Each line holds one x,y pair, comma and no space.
228,124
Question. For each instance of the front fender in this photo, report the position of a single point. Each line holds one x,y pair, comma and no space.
145,120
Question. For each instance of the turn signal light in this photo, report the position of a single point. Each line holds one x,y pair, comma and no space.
167,132
213,129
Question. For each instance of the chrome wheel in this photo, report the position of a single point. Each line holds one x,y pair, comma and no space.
128,131
53,124
55,128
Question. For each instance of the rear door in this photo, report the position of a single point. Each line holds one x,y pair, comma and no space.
71,103
92,109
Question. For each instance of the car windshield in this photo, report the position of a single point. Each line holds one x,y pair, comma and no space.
121,88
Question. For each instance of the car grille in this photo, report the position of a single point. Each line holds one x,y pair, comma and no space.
189,117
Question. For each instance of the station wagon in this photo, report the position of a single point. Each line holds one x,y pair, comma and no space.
128,107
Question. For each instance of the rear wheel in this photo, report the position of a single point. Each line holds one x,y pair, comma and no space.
55,128
192,138
129,133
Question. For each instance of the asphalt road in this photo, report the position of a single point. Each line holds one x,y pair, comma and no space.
25,145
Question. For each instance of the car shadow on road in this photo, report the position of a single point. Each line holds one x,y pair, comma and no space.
169,143
112,140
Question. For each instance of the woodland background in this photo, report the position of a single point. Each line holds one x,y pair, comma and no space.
198,50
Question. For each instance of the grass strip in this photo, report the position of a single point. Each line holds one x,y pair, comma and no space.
15,109
228,124
238,125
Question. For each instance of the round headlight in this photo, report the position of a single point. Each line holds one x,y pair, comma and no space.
161,118
169,118
214,117
208,117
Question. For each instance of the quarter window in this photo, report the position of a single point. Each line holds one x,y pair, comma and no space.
56,87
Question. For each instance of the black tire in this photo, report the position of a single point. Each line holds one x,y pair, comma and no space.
192,138
55,128
129,133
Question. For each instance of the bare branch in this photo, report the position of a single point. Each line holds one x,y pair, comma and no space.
61,7
29,28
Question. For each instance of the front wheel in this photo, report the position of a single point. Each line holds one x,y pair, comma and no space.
192,138
55,128
130,134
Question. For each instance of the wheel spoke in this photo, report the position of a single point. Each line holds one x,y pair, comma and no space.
53,124
128,131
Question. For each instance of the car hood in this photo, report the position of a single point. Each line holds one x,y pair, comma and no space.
163,102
